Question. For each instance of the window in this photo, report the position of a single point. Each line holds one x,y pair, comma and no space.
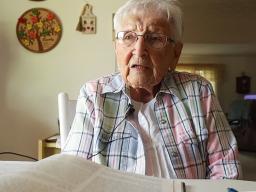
208,71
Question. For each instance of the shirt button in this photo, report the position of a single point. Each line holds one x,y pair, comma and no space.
174,154
163,121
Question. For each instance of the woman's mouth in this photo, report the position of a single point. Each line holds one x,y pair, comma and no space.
138,67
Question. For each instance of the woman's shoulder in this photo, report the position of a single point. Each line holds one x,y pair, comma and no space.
104,84
187,81
186,77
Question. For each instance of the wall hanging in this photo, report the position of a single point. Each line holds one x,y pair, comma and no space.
243,84
87,21
39,30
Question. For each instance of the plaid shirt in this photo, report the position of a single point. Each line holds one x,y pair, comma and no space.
196,138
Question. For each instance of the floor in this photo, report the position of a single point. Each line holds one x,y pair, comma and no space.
248,161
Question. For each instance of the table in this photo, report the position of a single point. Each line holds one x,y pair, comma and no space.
47,148
201,185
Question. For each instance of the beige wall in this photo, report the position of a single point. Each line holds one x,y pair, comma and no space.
30,82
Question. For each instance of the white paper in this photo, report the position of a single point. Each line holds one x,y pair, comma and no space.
66,173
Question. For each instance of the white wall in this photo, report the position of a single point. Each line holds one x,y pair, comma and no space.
30,82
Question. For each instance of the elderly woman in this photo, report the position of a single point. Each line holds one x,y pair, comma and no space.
149,119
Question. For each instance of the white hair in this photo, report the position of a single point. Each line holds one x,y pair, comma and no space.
170,8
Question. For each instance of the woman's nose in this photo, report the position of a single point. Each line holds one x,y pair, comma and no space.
140,46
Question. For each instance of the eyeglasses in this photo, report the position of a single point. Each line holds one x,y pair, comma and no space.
154,40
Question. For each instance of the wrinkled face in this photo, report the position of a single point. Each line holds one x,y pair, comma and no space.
142,66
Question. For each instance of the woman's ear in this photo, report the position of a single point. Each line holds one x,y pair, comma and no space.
177,52
114,44
178,49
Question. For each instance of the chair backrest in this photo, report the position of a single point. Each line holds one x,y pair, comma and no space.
238,110
66,109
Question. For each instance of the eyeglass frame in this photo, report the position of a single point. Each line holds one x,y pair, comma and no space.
121,37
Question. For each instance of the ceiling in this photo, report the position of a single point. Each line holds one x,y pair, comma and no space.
219,21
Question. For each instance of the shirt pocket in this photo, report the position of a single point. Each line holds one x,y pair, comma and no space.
188,156
191,137
123,143
122,150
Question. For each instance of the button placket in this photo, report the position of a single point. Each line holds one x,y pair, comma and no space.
163,121
169,140
174,154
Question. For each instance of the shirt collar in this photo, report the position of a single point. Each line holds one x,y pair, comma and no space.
169,84
115,85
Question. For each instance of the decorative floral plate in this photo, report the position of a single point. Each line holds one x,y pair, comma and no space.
39,30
